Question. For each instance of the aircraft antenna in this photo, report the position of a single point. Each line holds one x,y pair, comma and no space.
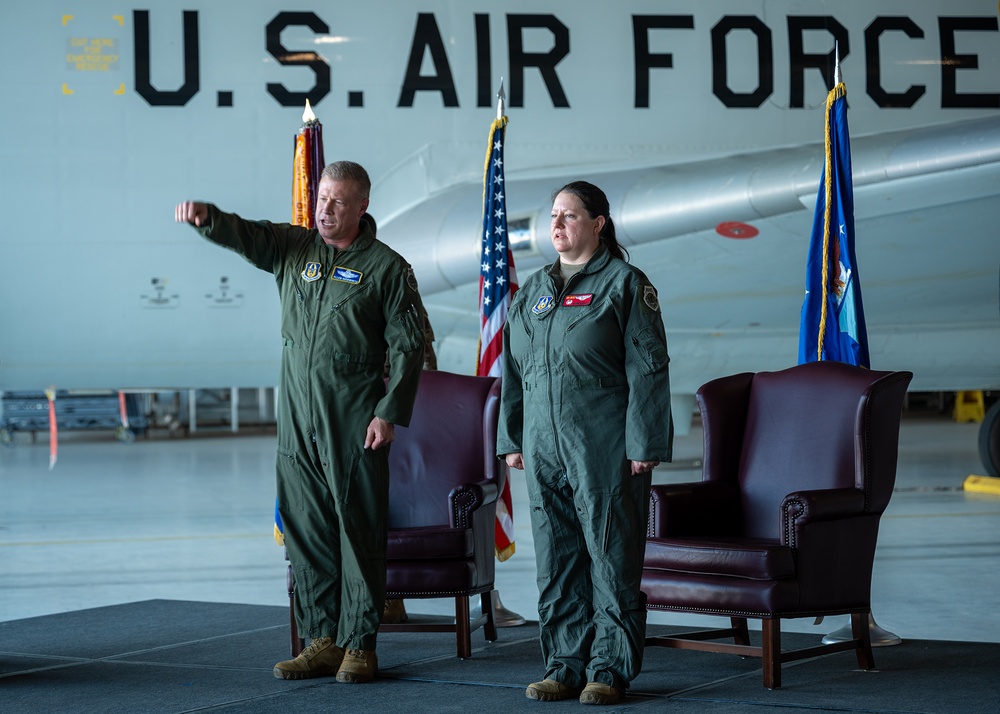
500,98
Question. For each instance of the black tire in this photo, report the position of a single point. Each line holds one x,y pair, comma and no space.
989,441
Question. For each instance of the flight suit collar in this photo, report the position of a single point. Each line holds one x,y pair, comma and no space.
598,260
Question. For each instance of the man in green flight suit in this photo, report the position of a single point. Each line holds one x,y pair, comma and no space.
348,304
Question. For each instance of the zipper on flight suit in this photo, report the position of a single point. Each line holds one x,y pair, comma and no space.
548,334
312,350
336,307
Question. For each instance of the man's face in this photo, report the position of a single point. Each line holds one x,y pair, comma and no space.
338,211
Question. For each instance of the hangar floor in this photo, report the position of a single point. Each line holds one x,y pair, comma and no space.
159,554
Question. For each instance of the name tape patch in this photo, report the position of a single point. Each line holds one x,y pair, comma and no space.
346,275
577,300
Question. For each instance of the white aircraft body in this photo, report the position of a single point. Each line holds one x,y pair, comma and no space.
703,121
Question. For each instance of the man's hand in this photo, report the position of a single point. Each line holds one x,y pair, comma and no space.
191,212
380,433
515,460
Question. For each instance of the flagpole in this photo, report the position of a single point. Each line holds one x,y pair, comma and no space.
502,617
501,96
837,79
879,636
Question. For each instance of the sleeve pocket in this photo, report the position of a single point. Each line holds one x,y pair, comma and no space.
651,350
409,333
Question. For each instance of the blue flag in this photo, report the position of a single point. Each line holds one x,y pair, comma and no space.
833,318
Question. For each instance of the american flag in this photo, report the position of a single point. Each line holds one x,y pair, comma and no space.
497,285
497,279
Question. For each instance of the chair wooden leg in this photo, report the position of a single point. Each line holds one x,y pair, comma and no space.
742,636
463,634
771,650
490,628
861,631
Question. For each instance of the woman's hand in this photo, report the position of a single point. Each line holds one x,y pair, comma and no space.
641,467
515,460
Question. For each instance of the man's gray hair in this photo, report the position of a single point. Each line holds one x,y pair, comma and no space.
349,171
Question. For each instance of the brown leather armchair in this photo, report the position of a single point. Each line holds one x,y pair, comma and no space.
799,466
444,483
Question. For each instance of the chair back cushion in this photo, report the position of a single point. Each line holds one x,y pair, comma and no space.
450,441
819,425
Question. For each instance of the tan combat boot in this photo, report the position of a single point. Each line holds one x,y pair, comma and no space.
597,693
321,658
549,690
358,666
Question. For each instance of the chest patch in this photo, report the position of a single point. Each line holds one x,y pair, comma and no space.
313,271
578,300
544,304
346,275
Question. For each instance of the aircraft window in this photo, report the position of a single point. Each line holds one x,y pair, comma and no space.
521,236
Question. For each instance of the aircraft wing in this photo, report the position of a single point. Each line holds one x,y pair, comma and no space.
926,213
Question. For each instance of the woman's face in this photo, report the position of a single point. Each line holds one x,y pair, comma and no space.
575,235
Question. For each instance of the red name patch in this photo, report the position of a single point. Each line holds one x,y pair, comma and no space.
576,300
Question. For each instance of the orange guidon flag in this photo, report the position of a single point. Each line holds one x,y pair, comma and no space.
307,166
301,215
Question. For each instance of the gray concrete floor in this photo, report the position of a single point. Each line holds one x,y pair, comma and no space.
190,519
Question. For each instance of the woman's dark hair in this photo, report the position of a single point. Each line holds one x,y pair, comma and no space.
596,204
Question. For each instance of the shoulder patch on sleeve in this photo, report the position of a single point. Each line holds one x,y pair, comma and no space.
649,298
411,279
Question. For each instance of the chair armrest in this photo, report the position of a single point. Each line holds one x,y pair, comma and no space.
693,509
803,512
832,538
467,498
823,505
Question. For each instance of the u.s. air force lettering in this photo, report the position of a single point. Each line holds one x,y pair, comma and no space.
777,49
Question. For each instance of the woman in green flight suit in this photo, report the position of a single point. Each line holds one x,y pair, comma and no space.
585,411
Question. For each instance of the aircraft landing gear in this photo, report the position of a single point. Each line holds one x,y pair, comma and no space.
989,440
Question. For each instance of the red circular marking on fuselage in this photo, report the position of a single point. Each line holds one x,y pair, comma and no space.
737,230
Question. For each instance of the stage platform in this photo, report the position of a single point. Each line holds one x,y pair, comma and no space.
180,656
143,577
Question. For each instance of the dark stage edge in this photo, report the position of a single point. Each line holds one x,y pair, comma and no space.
175,656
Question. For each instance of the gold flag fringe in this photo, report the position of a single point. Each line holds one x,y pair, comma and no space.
836,93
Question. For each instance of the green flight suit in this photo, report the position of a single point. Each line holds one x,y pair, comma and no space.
585,391
344,313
